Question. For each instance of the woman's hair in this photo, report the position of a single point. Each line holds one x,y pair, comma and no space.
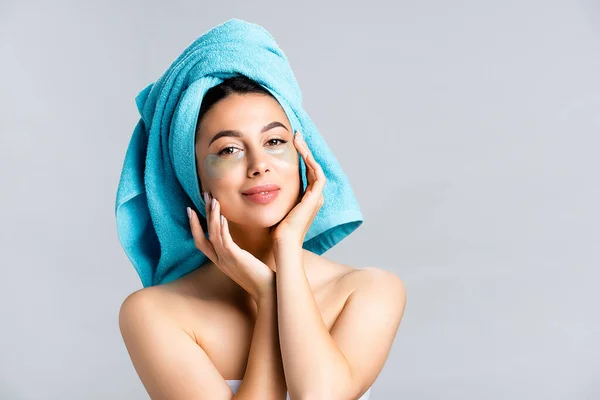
237,84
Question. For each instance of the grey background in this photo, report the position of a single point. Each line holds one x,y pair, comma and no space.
469,131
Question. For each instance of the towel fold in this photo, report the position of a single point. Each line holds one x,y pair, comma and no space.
159,178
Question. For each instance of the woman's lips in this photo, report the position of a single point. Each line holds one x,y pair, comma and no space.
262,198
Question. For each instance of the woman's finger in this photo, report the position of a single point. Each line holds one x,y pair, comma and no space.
227,244
226,239
317,178
306,154
207,209
320,179
200,240
315,167
215,225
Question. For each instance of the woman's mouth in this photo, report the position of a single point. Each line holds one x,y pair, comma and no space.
262,197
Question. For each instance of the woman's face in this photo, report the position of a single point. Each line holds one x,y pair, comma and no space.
234,153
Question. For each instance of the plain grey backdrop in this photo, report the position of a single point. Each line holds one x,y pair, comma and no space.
469,131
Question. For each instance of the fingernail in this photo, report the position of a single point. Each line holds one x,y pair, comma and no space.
189,212
205,195
222,219
213,203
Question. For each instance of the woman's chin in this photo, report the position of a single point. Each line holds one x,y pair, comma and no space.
264,219
266,222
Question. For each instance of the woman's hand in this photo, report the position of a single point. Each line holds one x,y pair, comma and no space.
248,271
293,228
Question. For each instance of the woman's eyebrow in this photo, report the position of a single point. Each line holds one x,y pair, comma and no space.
235,133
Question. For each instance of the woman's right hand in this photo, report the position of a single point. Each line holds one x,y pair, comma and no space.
249,272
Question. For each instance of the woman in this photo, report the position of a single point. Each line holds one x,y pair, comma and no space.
222,322
262,316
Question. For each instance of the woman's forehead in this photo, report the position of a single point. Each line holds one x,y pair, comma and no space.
244,115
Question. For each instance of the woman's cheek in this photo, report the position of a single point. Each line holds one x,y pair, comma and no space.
217,167
286,152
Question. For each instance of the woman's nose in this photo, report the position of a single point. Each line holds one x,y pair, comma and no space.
258,163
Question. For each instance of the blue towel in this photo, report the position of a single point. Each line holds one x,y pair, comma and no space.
159,178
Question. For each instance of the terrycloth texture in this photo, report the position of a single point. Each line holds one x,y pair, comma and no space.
159,177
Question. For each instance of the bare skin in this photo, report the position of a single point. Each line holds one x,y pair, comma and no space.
187,335
206,295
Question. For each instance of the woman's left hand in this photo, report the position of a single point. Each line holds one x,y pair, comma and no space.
254,276
293,228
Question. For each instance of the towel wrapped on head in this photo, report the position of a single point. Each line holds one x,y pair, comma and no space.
159,177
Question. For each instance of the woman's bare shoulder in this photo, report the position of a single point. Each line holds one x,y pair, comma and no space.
364,276
172,295
322,272
348,276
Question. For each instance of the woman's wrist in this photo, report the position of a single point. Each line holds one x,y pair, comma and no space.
289,244
267,296
266,293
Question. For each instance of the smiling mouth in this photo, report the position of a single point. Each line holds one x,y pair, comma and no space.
262,197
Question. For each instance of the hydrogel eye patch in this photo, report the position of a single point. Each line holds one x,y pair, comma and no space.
218,166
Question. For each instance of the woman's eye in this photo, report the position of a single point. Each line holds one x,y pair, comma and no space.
225,151
229,150
277,140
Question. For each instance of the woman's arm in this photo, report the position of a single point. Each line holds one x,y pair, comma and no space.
312,361
318,364
342,363
264,378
